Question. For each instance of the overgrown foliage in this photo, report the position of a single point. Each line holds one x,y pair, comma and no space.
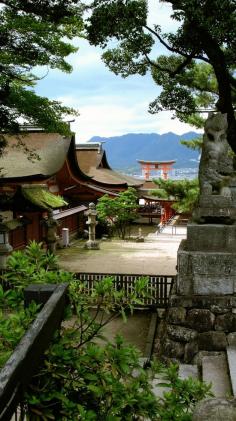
107,383
184,192
34,266
84,376
196,74
119,212
14,321
179,400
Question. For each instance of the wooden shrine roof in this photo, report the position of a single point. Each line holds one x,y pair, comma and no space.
149,184
92,161
47,153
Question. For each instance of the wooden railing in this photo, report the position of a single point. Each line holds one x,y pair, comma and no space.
158,287
23,363
17,372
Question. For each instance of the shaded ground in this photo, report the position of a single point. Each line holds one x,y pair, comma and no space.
134,332
156,255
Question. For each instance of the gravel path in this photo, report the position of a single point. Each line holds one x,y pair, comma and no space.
156,255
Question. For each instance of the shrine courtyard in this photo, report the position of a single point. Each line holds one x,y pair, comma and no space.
157,255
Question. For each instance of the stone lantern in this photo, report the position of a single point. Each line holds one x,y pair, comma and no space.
91,222
5,247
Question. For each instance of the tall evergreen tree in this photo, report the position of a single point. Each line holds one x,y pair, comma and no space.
198,70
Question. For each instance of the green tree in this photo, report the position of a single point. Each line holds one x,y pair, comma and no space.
34,33
199,67
195,144
120,211
184,192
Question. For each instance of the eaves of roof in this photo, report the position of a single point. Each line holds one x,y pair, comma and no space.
33,156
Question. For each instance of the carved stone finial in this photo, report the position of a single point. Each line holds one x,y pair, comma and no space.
216,173
216,165
92,206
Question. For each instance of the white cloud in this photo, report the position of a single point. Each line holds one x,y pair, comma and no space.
165,123
85,60
108,120
86,56
160,13
109,105
105,120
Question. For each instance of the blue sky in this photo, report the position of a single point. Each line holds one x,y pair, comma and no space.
108,104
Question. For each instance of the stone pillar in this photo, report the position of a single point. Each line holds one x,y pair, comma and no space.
202,307
91,222
140,238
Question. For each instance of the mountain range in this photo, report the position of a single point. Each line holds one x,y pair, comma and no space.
124,151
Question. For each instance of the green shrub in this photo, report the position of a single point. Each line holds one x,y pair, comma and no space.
80,379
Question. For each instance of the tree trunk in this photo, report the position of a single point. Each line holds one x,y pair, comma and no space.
217,60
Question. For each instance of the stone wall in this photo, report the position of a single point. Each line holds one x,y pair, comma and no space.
187,329
215,410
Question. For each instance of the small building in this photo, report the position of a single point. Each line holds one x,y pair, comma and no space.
92,162
154,207
47,172
29,187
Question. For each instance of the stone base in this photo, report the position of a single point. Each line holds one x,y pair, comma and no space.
213,237
187,331
202,307
215,410
205,272
140,240
213,207
222,303
92,245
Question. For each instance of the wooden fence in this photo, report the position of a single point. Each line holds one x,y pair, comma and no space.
158,287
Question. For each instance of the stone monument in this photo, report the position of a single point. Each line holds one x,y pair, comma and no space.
91,222
140,238
5,247
202,304
51,237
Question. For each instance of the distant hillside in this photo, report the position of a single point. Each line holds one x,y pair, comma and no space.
123,151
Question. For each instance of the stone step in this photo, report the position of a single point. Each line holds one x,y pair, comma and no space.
159,390
185,371
143,361
215,371
188,370
231,356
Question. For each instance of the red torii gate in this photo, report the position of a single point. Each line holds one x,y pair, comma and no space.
148,166
165,166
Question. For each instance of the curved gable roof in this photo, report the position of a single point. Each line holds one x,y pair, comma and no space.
92,161
49,151
91,155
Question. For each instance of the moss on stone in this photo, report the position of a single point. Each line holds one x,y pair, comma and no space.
42,198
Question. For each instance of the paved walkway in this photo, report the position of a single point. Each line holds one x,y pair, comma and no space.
156,255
